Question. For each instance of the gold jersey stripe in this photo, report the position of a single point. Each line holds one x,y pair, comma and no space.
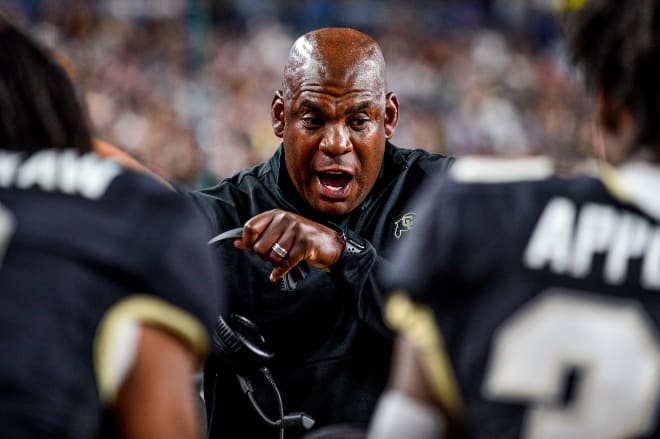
417,323
136,310
568,5
610,178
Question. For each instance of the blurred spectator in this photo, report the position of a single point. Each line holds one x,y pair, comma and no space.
181,84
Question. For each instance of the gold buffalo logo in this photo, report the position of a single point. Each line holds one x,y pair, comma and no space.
404,224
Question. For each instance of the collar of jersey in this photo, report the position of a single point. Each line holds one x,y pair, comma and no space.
636,182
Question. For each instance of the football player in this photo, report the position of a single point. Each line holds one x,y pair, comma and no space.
529,304
104,274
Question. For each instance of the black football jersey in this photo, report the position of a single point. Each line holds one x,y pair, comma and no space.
88,252
534,300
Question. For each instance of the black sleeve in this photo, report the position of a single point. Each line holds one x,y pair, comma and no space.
203,203
370,276
357,272
169,255
422,261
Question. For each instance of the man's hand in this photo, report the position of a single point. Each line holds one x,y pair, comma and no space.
297,238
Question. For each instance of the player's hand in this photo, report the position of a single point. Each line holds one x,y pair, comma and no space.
297,238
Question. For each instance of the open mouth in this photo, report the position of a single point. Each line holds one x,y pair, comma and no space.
334,184
335,180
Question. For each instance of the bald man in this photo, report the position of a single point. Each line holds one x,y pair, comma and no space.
331,200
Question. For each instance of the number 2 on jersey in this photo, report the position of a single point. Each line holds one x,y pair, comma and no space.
7,225
612,345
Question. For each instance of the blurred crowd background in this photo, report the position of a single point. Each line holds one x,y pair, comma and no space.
186,85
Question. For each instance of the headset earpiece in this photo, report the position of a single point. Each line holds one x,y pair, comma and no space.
240,345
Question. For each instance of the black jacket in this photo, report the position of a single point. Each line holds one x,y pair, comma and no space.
332,350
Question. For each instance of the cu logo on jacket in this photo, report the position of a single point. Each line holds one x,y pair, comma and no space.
404,224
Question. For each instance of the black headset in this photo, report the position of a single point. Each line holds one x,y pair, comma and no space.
240,345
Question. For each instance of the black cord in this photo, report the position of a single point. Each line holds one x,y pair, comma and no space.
297,419
265,417
214,397
246,386
280,404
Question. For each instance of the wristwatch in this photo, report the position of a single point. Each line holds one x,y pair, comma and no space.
354,243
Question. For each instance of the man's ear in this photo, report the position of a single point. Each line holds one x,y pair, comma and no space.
608,113
391,114
619,130
277,113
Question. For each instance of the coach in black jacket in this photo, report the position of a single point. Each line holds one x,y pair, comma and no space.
333,198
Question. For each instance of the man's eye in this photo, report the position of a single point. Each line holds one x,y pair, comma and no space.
310,121
360,122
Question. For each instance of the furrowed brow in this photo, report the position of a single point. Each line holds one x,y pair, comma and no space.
358,108
309,105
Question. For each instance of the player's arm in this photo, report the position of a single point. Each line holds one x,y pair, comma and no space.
408,408
157,399
108,151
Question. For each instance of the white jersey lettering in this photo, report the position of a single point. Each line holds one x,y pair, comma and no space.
629,242
8,166
651,263
566,241
64,171
593,235
551,240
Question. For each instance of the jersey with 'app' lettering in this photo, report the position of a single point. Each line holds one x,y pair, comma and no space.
534,300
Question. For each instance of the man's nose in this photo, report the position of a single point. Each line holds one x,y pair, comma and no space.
336,140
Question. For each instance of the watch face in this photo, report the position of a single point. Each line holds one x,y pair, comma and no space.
354,243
